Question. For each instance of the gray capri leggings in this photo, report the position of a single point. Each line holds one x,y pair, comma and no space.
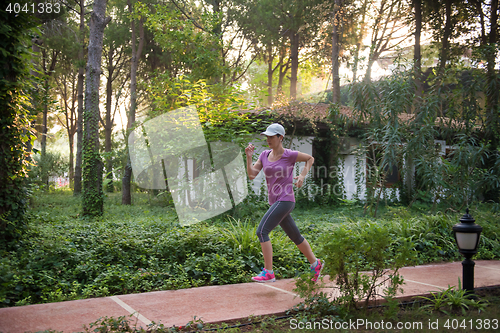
279,213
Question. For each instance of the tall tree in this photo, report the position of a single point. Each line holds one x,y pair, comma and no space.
66,78
417,54
81,76
217,19
115,59
136,54
93,199
387,25
490,46
301,22
234,47
360,34
266,22
49,47
449,20
263,32
336,36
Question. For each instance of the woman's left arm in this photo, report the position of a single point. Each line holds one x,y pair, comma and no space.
303,157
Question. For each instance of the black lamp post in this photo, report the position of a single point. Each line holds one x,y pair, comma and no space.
467,235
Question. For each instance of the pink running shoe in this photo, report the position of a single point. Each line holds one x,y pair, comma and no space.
264,276
317,270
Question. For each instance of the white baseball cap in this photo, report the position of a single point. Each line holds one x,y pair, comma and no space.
273,130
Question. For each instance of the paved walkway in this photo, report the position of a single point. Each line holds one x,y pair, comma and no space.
215,303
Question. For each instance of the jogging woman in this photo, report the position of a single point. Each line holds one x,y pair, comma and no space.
278,164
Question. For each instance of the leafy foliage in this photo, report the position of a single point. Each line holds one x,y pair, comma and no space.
143,248
52,164
365,258
126,324
452,300
190,51
404,133
221,109
15,118
92,166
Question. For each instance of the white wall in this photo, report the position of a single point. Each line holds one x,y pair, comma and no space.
348,170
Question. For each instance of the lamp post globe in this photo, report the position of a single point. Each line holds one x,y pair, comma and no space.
467,235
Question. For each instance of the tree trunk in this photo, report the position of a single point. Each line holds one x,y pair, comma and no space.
359,41
281,78
71,160
283,69
480,12
417,57
492,126
93,199
294,56
136,54
79,123
70,121
355,63
108,125
35,96
368,74
45,175
47,72
79,136
270,72
43,139
72,132
445,43
335,52
492,86
14,125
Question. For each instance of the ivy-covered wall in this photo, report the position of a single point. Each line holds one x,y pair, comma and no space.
15,120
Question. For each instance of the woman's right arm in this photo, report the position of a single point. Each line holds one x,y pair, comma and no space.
252,170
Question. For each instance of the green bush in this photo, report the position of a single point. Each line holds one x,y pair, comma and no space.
365,258
50,165
452,301
432,235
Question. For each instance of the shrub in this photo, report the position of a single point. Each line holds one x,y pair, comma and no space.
50,165
451,301
365,258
